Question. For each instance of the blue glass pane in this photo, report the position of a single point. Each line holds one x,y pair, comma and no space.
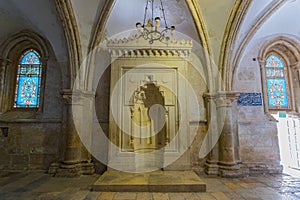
28,92
277,93
275,72
274,60
30,57
29,70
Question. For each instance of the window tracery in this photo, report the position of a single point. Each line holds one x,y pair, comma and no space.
28,83
277,81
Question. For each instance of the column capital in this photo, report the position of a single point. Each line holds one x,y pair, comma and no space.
75,96
226,98
5,61
295,65
208,97
261,61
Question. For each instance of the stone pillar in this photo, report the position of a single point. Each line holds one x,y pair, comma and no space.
211,165
296,85
3,64
229,157
262,63
76,160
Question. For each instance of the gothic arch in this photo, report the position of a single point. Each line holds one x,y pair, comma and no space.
231,33
25,36
66,14
233,60
10,51
98,34
289,49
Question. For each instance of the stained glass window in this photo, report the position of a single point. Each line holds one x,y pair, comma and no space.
27,93
277,85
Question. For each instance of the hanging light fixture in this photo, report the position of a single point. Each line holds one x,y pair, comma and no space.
152,30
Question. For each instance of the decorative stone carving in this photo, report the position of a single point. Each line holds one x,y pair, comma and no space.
134,71
138,47
225,99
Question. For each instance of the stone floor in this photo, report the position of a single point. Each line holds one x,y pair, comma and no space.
41,186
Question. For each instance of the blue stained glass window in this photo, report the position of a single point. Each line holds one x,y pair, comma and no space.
277,93
274,61
276,82
28,84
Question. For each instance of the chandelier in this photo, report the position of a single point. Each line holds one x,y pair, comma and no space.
152,30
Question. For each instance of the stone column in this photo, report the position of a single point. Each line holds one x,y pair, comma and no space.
262,63
3,64
229,157
296,85
211,165
76,160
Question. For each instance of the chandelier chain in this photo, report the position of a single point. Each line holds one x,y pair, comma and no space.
151,30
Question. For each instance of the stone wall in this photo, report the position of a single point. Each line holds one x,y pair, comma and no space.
30,138
257,130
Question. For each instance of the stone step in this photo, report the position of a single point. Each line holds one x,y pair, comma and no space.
157,181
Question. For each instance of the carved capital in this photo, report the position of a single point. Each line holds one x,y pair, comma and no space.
261,62
4,62
67,96
226,99
76,96
208,97
295,66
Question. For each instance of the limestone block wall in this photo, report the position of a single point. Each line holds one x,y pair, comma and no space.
32,145
33,139
259,146
257,131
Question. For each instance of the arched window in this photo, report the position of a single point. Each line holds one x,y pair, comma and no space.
277,81
28,83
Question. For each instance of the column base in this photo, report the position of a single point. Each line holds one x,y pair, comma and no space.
233,171
211,168
71,170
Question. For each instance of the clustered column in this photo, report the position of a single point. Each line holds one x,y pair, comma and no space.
211,165
3,65
77,159
224,158
229,157
296,83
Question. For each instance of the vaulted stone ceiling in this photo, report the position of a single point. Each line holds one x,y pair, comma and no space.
216,16
38,16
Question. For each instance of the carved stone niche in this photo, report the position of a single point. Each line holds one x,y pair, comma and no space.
148,125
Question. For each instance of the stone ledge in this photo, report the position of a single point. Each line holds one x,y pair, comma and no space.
71,170
157,181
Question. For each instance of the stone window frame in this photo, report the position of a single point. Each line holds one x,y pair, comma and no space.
11,50
289,50
286,78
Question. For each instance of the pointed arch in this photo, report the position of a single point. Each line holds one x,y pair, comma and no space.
231,67
11,51
203,35
66,14
286,50
98,35
236,18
